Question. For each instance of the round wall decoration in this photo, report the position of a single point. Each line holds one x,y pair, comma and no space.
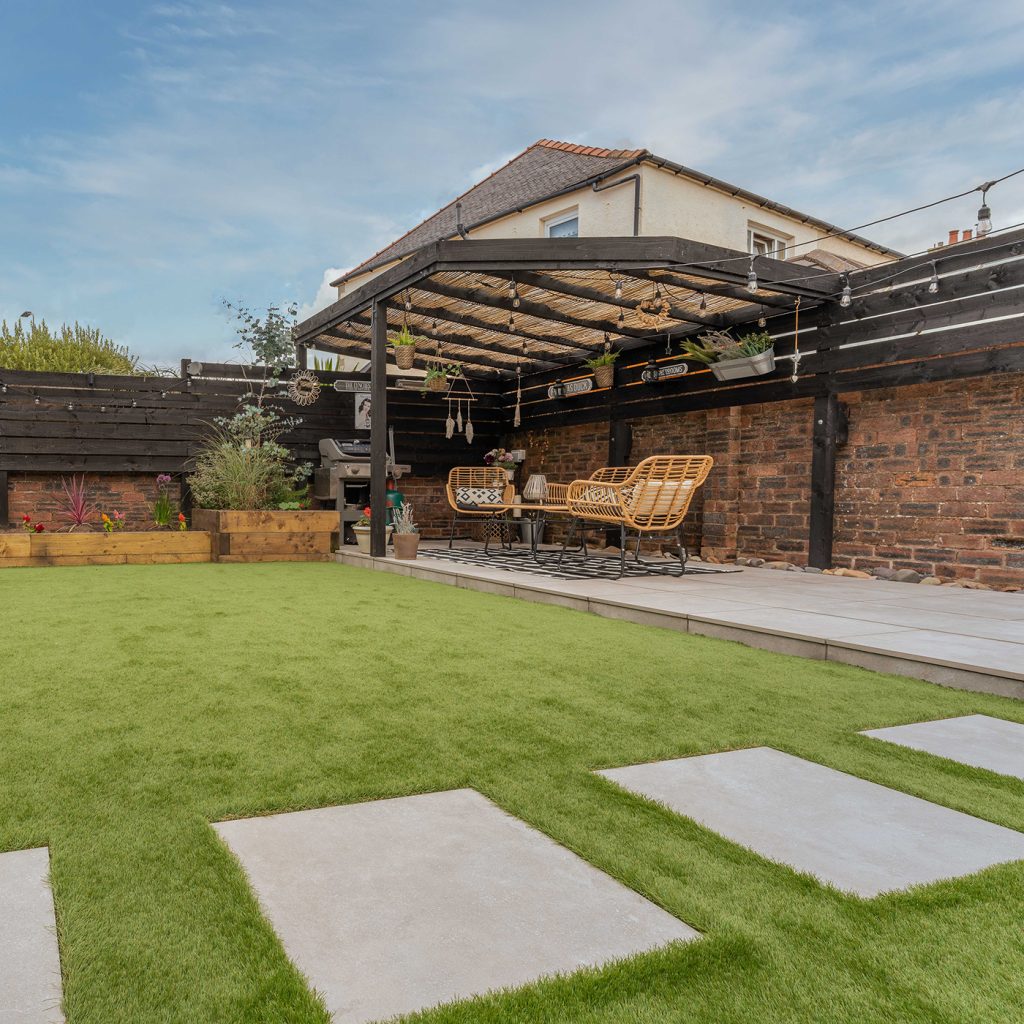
304,388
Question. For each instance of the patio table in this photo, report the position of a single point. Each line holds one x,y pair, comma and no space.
537,512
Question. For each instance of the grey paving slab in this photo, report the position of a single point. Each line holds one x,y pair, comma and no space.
977,740
797,623
397,905
857,835
30,988
952,649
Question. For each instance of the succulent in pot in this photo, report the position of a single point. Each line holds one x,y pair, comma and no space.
406,537
404,343
604,368
750,355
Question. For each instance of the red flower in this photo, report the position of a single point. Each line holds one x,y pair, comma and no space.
39,527
181,517
26,518
366,511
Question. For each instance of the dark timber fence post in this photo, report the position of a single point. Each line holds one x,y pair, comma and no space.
301,357
378,428
823,480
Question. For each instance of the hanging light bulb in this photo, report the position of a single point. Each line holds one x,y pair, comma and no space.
761,320
984,213
847,296
71,407
433,327
134,403
37,400
618,289
607,342
103,408
408,304
622,320
752,278
516,300
511,289
933,284
703,302
3,389
511,322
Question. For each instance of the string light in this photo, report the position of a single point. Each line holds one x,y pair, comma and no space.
511,322
622,320
984,212
933,284
847,296
71,407
607,342
3,389
36,402
751,278
762,320
433,328
703,302
618,289
408,303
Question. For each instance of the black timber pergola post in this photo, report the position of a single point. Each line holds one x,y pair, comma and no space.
378,427
823,480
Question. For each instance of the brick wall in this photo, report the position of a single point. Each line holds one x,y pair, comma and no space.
39,496
932,477
933,480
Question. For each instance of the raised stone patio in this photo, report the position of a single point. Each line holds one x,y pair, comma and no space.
857,835
956,637
397,905
30,985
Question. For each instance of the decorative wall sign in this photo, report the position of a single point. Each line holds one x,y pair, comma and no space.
562,389
673,370
356,385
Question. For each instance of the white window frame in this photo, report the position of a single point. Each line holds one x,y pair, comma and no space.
555,219
781,242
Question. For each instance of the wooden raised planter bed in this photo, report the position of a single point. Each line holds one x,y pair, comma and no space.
269,536
103,548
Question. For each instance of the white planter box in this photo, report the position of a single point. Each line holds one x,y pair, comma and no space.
749,366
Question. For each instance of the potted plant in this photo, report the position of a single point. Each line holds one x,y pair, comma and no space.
502,459
604,368
404,343
752,355
406,537
361,529
438,375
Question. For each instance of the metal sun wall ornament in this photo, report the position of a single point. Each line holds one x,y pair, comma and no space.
304,388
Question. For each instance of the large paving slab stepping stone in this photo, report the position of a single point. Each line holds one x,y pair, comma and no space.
977,740
30,990
861,837
397,905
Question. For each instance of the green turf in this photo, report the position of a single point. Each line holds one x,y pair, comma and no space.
139,703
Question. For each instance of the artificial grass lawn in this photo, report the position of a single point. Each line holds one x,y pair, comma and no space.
138,703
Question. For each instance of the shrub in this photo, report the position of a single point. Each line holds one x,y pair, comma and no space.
74,349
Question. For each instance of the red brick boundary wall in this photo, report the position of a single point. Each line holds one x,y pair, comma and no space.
39,495
932,477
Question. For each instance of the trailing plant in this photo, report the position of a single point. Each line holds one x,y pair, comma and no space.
439,372
72,348
403,521
74,506
604,359
718,346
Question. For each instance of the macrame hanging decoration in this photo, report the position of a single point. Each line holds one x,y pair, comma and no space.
449,424
460,425
304,388
458,415
517,418
796,342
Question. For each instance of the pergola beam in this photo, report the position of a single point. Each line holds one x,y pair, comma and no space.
554,284
726,291
481,297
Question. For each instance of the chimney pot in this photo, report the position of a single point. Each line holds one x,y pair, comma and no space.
967,234
954,236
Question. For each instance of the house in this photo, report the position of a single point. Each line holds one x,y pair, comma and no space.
556,189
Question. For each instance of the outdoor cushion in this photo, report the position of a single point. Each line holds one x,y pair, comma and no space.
656,496
478,496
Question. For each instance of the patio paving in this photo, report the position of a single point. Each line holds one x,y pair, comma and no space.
956,637
397,905
857,835
30,983
977,740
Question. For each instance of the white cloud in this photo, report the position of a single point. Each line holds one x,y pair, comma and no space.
325,294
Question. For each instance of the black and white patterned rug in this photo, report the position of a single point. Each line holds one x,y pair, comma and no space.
573,567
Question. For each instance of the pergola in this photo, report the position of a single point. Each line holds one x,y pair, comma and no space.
513,305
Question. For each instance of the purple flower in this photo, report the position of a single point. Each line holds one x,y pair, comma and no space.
163,479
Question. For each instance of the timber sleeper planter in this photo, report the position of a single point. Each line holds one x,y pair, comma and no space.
269,535
122,548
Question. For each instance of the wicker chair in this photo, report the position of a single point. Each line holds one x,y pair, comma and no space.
651,501
478,493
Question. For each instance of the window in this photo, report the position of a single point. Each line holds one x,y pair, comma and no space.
762,242
564,225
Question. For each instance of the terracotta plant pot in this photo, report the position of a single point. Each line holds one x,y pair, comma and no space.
406,544
604,376
404,356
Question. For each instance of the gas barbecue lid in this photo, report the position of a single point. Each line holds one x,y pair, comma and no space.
342,450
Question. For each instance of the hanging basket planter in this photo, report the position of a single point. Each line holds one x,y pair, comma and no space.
748,366
604,376
405,356
437,384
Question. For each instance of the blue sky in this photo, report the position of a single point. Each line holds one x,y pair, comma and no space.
156,157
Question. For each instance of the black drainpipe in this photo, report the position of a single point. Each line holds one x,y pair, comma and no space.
599,186
458,222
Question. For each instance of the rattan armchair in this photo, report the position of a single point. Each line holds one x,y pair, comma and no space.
477,493
650,502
